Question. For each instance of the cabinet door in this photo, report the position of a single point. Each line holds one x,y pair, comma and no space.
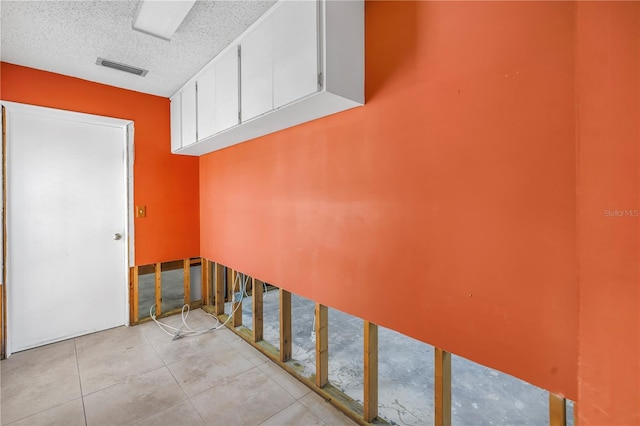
257,71
295,51
206,103
188,104
226,99
176,120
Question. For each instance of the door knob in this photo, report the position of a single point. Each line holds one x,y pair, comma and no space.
117,236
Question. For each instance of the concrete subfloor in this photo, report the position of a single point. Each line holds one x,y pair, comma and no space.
172,285
139,375
480,395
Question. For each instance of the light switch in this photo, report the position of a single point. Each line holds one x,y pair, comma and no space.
141,211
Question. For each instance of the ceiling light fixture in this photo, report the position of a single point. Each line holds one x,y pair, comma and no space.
161,18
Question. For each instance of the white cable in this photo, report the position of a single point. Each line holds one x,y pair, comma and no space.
179,332
184,330
245,284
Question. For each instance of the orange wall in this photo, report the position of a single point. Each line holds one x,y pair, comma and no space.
445,207
608,78
165,183
463,205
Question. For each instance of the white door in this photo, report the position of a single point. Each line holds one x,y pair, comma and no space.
66,227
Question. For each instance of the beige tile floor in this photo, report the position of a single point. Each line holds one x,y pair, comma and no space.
138,375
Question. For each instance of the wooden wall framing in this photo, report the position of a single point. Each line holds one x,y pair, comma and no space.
156,269
557,410
186,279
158,273
322,345
285,325
229,280
236,305
206,282
258,325
134,299
442,403
370,371
218,287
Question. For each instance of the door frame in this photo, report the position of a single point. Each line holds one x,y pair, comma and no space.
128,143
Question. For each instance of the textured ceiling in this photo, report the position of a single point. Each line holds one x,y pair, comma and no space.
67,37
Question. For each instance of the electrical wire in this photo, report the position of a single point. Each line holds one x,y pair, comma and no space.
184,329
240,282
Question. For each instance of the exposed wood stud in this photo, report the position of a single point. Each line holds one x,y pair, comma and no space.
130,281
557,410
219,288
257,311
187,281
158,289
205,269
229,281
331,394
249,287
210,276
135,299
442,388
322,345
370,371
147,269
172,265
285,325
236,307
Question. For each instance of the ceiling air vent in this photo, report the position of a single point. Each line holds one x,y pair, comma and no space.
121,67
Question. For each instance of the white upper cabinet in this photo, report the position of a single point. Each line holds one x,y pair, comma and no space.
188,108
295,51
206,103
226,107
301,61
176,122
257,71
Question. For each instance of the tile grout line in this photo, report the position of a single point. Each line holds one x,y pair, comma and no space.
280,411
84,410
187,397
126,378
280,386
44,409
196,410
222,382
165,362
148,339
